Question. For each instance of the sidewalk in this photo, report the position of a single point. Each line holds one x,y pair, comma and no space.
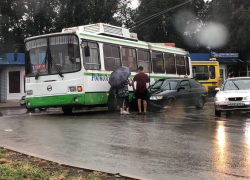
11,104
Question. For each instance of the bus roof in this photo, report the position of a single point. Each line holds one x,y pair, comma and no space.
112,34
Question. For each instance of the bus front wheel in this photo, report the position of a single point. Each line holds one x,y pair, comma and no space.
112,100
67,109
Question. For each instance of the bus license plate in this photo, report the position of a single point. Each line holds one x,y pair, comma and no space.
236,104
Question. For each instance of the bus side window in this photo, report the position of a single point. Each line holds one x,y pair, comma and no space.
112,59
187,65
158,63
92,61
180,64
169,63
129,58
144,60
212,72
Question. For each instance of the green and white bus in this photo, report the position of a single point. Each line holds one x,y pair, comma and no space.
72,68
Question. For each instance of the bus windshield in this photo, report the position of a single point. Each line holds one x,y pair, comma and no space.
52,55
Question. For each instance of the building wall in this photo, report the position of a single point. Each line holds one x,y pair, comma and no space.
3,84
15,96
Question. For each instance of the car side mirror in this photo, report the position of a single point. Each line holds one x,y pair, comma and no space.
217,89
180,88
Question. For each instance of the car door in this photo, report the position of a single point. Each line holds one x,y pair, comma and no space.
186,95
197,91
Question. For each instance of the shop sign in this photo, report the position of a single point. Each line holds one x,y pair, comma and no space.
224,55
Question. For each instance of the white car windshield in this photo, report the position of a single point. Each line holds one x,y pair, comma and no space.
241,84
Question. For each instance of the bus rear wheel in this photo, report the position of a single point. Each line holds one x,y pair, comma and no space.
67,109
112,100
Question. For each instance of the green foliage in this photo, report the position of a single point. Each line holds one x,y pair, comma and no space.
20,19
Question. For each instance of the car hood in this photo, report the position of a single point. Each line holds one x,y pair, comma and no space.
234,93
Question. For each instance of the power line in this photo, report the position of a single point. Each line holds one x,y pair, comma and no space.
135,25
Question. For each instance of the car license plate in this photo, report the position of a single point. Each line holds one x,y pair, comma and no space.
236,104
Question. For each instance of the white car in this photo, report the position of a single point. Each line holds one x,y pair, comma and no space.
234,95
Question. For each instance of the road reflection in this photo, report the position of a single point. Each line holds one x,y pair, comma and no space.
221,143
247,136
247,132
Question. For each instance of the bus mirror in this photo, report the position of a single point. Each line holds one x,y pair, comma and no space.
86,51
217,89
15,54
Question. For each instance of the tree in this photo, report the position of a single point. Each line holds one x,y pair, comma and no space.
10,24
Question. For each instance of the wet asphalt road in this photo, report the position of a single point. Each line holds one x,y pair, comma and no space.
183,144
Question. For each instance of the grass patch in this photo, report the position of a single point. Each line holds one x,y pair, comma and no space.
21,170
14,165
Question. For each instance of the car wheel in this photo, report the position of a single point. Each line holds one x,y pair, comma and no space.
217,113
67,109
42,109
112,100
168,104
201,103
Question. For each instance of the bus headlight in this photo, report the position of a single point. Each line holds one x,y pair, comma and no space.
156,97
72,88
29,92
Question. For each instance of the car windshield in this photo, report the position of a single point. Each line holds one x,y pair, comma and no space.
241,84
165,85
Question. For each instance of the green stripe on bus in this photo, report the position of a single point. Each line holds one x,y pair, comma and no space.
86,99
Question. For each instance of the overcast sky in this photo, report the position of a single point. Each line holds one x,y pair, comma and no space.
134,3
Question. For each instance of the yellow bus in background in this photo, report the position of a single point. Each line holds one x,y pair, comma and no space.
208,74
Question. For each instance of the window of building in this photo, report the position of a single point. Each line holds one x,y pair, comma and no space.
129,58
200,72
144,60
93,61
212,72
158,63
169,63
14,82
112,59
180,65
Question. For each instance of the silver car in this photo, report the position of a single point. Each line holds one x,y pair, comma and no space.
234,95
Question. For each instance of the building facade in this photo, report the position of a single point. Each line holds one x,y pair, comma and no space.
11,77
